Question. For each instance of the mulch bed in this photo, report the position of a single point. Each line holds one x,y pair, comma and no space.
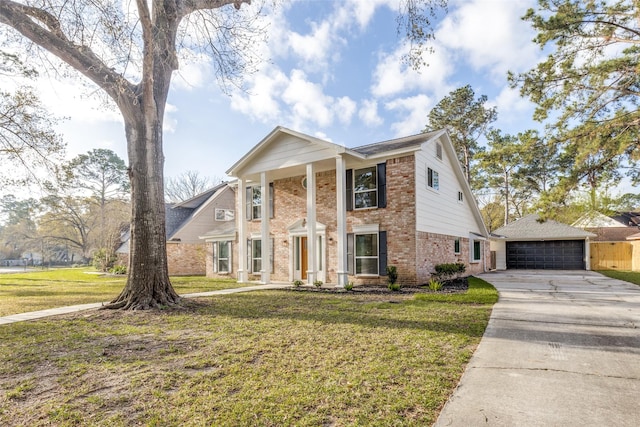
458,285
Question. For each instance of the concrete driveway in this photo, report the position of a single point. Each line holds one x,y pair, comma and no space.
562,349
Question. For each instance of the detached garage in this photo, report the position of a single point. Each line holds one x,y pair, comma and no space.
531,243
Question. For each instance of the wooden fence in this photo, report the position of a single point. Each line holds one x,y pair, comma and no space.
611,256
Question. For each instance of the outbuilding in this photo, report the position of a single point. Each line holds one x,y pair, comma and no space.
535,243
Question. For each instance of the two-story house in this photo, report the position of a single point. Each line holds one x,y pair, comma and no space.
310,209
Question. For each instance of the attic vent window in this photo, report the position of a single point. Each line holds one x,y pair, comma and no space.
439,151
225,214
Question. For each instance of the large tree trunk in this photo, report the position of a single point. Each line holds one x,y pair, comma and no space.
148,284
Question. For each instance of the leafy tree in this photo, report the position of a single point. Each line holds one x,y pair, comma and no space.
501,161
493,214
187,185
130,51
467,119
588,87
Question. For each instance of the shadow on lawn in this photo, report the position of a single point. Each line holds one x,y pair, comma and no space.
406,313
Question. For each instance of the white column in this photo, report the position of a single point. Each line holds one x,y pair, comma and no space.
242,230
587,254
341,216
265,273
311,224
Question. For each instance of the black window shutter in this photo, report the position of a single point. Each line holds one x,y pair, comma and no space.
349,189
271,200
248,203
382,252
382,185
350,259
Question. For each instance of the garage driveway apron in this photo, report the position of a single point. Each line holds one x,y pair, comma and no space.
562,348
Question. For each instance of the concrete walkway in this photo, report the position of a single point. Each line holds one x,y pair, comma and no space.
82,307
561,349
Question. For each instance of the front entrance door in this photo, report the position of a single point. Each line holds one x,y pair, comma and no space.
303,257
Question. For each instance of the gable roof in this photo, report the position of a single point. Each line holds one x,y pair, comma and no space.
405,144
595,219
530,227
178,215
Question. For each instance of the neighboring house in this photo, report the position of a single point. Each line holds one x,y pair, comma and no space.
312,210
532,243
208,212
615,245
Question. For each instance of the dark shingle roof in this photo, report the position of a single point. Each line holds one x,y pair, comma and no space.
407,142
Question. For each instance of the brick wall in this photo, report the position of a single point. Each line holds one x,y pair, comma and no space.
434,249
186,259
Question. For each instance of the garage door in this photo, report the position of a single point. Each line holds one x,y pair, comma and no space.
551,254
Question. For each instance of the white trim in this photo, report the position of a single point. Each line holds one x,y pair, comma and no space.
366,228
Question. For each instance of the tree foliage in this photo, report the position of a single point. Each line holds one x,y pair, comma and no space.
466,118
588,86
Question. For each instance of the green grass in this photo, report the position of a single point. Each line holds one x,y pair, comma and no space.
627,276
268,358
39,290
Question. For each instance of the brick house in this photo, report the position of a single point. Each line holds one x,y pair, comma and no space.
403,202
211,211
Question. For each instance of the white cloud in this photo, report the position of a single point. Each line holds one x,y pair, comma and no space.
369,113
170,122
392,76
491,35
413,110
262,100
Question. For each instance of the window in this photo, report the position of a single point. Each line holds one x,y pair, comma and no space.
256,255
439,151
476,250
365,188
460,196
254,258
433,179
456,246
254,202
367,254
222,257
224,214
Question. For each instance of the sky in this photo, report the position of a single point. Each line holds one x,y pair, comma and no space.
333,70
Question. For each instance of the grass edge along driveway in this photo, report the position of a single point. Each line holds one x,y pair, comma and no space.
268,358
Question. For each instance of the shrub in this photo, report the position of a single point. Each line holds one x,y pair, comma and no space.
297,283
447,271
104,259
395,287
435,285
119,269
392,274
348,286
317,283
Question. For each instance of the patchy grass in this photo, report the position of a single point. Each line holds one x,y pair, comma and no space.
39,290
627,276
268,358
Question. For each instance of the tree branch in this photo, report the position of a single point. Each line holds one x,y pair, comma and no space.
44,29
185,7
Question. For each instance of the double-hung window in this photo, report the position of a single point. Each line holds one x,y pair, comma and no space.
254,202
222,256
365,188
254,259
367,254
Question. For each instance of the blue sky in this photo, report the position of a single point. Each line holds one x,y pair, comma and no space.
335,72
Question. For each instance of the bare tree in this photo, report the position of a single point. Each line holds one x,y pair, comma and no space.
187,185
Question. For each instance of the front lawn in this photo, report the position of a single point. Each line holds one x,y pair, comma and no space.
627,276
39,290
267,358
